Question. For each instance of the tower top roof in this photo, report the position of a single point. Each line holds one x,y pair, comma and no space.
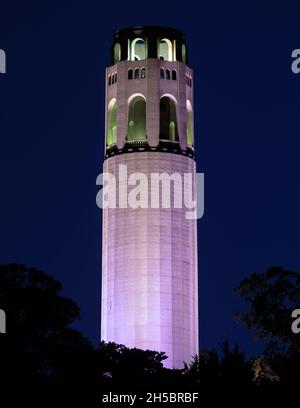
149,42
149,30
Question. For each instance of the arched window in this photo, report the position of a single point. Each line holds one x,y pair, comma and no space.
109,80
111,135
136,73
168,121
113,78
168,74
143,73
138,50
130,74
117,53
183,53
174,77
162,73
189,124
116,77
188,80
165,50
136,118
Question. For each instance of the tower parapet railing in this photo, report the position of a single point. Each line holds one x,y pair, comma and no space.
138,143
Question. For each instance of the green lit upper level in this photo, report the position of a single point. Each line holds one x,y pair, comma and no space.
140,43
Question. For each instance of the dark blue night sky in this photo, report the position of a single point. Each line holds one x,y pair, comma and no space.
247,104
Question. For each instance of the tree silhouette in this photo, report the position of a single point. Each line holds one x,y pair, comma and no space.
230,368
42,348
235,370
40,344
124,366
271,298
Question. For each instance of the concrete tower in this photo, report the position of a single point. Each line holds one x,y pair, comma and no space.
149,271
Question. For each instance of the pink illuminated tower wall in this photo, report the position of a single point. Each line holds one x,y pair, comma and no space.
149,271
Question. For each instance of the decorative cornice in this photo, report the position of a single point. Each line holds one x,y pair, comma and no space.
163,147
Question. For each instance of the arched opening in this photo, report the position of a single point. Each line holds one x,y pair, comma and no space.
174,76
136,73
114,78
188,80
168,120
189,124
136,118
111,136
143,73
162,73
168,74
130,74
183,53
117,53
138,50
109,80
165,50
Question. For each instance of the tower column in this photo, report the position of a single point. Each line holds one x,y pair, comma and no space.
149,253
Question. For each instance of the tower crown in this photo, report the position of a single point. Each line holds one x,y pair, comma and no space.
143,42
149,94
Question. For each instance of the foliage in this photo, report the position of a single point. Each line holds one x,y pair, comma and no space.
42,348
271,297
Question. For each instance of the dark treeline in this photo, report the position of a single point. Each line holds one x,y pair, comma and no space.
41,347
